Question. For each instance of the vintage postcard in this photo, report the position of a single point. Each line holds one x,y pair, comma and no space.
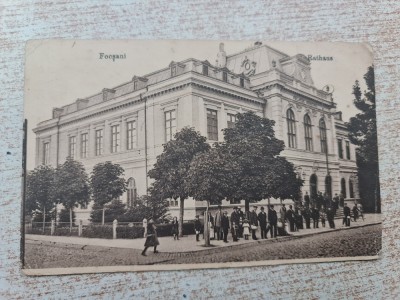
171,155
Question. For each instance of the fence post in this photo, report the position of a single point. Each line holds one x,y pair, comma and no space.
80,227
53,227
115,223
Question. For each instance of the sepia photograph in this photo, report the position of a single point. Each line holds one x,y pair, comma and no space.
181,154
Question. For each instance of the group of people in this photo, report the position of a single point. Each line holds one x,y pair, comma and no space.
244,225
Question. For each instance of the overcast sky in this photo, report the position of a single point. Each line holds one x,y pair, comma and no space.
59,72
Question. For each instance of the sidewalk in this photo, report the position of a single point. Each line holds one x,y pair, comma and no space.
188,243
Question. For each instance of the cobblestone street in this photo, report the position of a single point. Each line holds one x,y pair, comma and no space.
361,241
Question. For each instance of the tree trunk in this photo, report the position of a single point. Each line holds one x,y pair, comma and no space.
102,217
44,217
206,228
246,205
181,209
70,219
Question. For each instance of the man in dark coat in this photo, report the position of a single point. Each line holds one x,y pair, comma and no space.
273,221
307,216
306,199
225,226
253,222
241,219
346,215
291,218
197,227
262,218
315,216
235,219
217,223
330,216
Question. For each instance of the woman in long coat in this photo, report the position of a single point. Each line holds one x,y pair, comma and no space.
151,238
175,228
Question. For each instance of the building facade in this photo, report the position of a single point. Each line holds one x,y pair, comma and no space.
128,124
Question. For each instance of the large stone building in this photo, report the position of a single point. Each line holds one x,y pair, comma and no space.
128,124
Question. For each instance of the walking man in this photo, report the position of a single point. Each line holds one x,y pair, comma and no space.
235,223
262,218
346,215
283,216
315,216
290,217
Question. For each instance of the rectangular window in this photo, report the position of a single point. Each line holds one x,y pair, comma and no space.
231,120
135,85
115,139
99,142
348,150
84,145
46,153
170,124
225,76
72,147
212,125
340,148
241,82
205,70
131,135
173,71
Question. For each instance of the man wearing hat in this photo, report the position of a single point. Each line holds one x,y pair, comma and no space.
217,224
253,222
225,226
235,219
262,218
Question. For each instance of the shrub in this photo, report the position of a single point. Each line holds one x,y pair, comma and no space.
98,231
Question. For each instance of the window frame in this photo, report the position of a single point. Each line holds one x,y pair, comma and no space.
72,146
348,153
340,148
131,135
170,123
99,140
291,128
84,145
323,136
115,138
308,138
46,153
212,124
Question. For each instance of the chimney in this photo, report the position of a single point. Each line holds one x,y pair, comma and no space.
257,43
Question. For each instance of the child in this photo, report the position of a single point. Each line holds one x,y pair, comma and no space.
234,232
246,229
197,228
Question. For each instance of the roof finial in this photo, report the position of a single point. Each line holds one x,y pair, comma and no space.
221,56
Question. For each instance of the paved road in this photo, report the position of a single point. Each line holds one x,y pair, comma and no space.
362,241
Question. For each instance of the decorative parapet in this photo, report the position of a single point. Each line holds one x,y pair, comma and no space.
57,112
108,94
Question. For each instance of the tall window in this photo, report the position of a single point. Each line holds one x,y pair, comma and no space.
308,133
46,153
231,120
131,193
291,124
212,125
130,135
343,187
72,146
322,134
328,186
205,70
340,148
351,188
115,138
225,76
170,124
84,145
348,150
99,142
313,186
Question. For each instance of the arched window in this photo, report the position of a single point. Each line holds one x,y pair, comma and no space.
291,124
313,186
328,186
351,188
308,133
322,134
131,193
343,188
